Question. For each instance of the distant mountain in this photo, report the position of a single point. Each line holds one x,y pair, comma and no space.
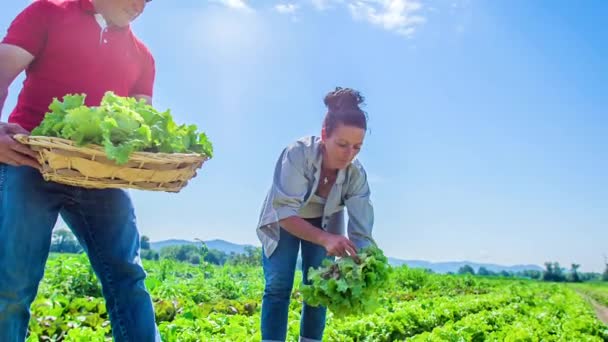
437,267
454,266
226,247
220,245
158,245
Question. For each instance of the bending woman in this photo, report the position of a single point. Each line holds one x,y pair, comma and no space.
315,178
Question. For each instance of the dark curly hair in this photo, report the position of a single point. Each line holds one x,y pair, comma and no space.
343,108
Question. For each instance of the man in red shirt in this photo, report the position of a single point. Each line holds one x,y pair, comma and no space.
69,46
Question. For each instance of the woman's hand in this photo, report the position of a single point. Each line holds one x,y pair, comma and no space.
338,245
12,152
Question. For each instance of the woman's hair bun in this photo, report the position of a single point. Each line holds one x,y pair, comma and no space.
343,99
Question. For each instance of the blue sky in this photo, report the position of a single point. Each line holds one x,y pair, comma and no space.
487,118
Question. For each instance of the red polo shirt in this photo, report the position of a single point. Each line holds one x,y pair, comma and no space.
73,54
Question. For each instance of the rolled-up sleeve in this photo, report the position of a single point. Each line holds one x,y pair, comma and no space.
290,184
360,210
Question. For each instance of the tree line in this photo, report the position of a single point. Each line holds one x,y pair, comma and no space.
63,241
552,272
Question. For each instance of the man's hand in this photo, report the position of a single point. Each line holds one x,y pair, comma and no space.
12,152
338,245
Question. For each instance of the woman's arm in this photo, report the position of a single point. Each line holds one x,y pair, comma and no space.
336,245
360,209
290,187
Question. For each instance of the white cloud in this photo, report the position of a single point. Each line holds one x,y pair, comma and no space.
286,8
235,4
398,16
322,5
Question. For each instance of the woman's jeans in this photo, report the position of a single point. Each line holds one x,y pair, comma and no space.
279,272
104,223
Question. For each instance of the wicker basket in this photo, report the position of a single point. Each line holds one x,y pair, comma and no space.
88,166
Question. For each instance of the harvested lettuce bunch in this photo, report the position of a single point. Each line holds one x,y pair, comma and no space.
122,125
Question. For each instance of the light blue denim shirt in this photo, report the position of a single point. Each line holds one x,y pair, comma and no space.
296,177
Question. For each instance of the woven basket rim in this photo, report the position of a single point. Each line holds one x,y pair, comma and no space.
50,142
89,166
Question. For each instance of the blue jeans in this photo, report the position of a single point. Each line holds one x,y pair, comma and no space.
279,273
104,223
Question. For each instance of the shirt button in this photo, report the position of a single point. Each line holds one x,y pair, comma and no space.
105,41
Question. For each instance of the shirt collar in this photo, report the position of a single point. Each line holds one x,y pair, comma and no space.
319,158
88,7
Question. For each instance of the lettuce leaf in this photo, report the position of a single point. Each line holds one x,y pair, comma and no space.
122,125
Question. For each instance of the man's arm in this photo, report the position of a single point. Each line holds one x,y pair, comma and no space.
3,95
13,60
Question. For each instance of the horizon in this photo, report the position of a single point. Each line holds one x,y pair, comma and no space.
487,135
388,256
